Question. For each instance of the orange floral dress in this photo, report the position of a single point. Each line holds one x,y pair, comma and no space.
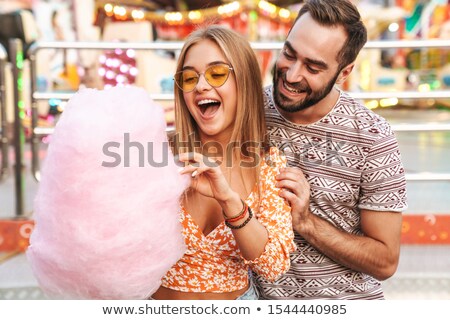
213,263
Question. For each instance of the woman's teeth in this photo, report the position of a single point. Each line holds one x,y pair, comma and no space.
206,101
206,104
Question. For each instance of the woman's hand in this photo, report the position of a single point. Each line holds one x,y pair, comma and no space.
207,177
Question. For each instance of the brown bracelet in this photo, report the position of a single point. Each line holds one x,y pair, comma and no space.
250,216
242,213
242,216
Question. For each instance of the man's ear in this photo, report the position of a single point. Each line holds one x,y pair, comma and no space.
343,75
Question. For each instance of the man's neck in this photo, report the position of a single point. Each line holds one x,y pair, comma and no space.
314,113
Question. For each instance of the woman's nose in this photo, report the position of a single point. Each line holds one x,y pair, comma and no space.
202,84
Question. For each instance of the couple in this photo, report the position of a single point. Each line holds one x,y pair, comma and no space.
327,225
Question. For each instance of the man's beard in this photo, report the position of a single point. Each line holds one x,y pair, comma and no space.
312,98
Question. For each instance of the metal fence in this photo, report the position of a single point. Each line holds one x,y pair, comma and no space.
3,134
35,96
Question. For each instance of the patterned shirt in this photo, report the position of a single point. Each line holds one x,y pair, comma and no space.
213,263
351,160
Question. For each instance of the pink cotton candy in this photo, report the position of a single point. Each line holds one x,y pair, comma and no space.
105,230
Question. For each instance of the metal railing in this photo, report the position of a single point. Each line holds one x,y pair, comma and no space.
4,143
16,55
357,95
39,96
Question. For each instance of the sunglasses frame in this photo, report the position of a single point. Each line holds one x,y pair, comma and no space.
230,68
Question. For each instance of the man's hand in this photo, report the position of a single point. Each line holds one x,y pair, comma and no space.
296,191
375,253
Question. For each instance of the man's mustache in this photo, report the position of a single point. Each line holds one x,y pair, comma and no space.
299,86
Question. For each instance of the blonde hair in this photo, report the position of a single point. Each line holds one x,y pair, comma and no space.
249,126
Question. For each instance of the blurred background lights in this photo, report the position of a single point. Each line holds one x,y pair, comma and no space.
101,72
393,27
110,74
108,7
131,53
284,13
118,67
384,103
124,68
137,14
133,71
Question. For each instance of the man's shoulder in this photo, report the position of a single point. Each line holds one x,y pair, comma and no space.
362,118
268,90
268,97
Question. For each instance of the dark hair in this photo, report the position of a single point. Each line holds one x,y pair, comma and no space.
339,13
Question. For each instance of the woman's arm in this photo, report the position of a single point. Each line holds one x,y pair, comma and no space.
265,239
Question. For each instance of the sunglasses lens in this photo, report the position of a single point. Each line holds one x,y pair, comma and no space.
217,75
187,80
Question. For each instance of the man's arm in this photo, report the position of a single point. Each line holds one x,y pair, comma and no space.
376,253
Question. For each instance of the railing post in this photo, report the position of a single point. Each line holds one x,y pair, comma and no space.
4,143
35,141
16,54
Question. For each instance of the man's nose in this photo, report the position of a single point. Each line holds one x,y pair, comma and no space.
294,73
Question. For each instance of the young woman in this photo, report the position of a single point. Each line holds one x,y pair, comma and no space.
233,218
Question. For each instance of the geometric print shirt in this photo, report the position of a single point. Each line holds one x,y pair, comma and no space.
352,161
213,262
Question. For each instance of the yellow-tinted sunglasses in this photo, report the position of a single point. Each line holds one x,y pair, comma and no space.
216,75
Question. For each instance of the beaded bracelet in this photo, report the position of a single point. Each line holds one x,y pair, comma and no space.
240,215
250,216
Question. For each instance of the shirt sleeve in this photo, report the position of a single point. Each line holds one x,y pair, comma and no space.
383,184
275,215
